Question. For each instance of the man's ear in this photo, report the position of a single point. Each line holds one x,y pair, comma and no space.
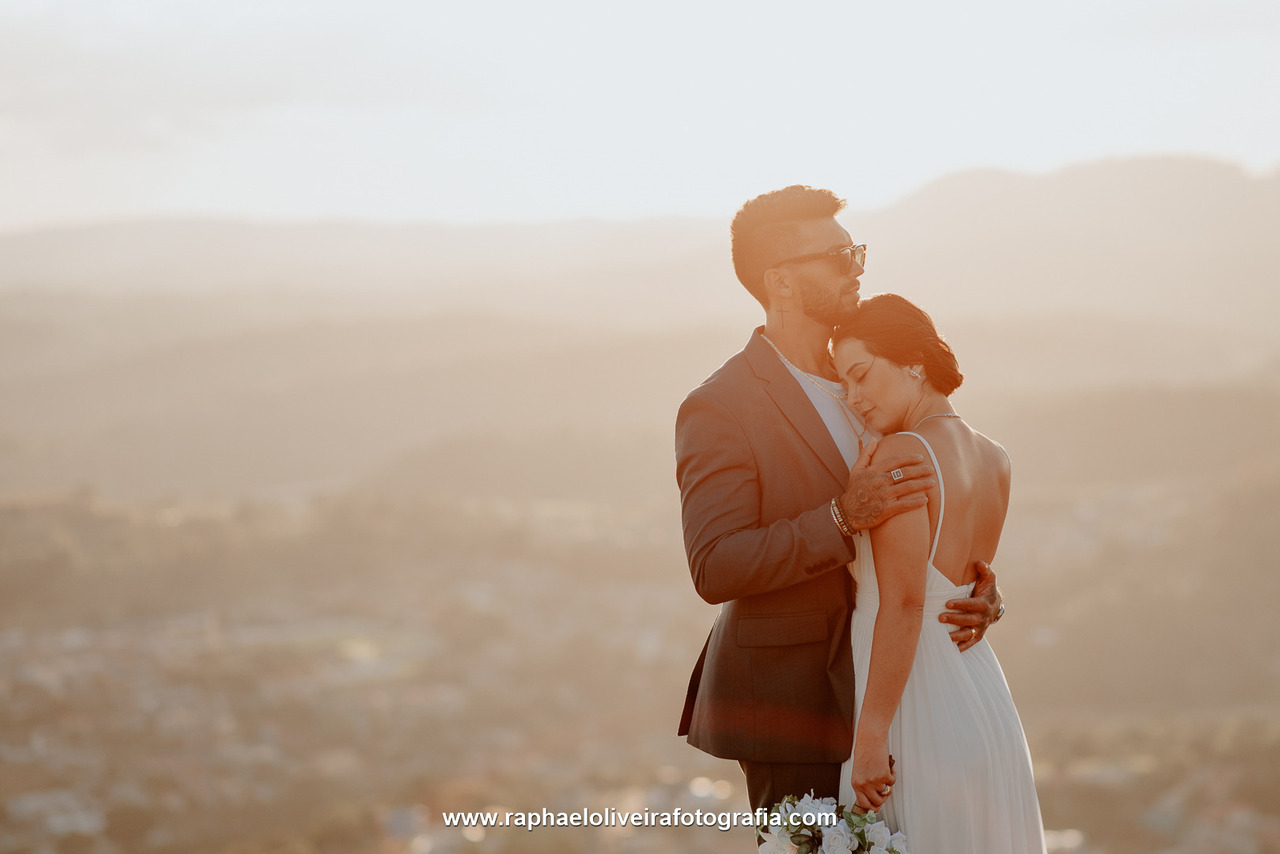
776,284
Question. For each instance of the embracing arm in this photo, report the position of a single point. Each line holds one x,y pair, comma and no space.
731,553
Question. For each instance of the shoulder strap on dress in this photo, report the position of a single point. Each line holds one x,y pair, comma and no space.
942,490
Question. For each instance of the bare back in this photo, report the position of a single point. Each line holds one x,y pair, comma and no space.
975,472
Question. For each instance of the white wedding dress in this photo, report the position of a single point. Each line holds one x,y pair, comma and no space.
964,782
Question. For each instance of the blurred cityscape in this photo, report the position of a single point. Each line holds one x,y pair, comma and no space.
236,679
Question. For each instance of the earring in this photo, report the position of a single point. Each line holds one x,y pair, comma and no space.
913,373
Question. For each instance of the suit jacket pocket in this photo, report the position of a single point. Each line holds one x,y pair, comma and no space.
782,629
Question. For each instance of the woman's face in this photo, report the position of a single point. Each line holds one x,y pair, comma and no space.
880,391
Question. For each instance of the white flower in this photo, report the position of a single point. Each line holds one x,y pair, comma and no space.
816,806
878,835
876,849
777,820
775,844
898,843
838,840
784,812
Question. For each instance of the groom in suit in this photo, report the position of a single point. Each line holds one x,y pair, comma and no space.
776,489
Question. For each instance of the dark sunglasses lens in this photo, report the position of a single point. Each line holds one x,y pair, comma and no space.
847,259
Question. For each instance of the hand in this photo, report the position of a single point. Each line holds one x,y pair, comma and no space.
873,495
975,614
872,775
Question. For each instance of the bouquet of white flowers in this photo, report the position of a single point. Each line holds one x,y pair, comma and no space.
808,825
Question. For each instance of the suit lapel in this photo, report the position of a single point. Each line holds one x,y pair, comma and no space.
795,405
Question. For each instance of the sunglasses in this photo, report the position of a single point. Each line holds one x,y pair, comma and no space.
847,256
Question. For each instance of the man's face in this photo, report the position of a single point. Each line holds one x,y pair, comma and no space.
826,295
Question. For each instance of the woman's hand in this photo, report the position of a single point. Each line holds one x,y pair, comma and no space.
872,776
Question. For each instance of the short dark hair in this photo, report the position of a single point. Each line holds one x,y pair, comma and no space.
897,329
763,230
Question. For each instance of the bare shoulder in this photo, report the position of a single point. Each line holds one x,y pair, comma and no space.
897,445
994,456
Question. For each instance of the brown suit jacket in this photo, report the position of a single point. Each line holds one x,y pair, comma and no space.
757,470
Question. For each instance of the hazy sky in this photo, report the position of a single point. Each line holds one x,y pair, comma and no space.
403,109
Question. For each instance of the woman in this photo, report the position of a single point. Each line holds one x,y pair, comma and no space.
959,779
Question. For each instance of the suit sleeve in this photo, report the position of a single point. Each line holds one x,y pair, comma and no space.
731,552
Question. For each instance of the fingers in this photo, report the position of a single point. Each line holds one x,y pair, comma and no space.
971,616
864,458
881,476
901,504
903,461
965,612
985,586
911,472
970,627
869,797
898,505
916,484
966,638
962,622
872,791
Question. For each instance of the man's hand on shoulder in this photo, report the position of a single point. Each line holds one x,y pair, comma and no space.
885,484
974,615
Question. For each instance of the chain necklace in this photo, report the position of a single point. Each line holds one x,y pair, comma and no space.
808,376
836,396
935,415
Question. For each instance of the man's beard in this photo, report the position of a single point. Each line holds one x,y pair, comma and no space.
825,307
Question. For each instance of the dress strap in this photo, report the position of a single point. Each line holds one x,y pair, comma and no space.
942,490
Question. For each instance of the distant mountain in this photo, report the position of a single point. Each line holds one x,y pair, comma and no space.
482,404
1161,238
428,265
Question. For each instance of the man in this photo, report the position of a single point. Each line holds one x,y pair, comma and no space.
776,487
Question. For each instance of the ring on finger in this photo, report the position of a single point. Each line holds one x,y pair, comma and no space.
973,632
897,475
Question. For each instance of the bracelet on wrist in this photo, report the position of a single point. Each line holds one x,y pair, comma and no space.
838,516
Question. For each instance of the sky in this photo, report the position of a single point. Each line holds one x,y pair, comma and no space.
404,110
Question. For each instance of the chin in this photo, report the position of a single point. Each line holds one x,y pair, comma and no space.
882,424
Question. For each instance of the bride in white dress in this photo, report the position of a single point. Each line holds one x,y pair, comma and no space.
960,775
